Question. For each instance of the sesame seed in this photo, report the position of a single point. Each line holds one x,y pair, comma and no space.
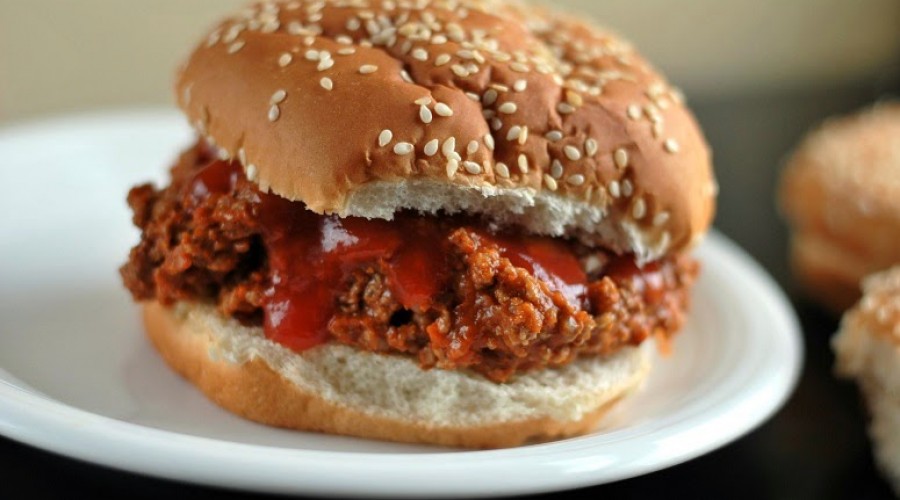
423,101
519,67
502,170
514,132
655,89
621,158
572,153
459,71
326,83
449,147
236,46
614,190
232,33
550,182
438,40
312,55
508,108
431,147
639,209
452,168
489,141
285,59
346,51
403,148
627,188
443,110
634,112
425,114
274,113
660,218
520,85
523,163
420,54
489,97
472,148
367,69
384,138
353,24
591,147
657,130
404,75
556,169
554,135
523,137
565,108
575,180
325,64
242,156
251,172
574,98
472,167
502,57
442,59
672,146
213,38
278,97
496,124
224,155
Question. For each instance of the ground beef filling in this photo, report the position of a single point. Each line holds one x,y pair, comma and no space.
492,317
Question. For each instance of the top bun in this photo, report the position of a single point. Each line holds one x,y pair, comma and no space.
367,107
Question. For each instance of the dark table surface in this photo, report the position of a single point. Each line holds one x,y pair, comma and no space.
815,447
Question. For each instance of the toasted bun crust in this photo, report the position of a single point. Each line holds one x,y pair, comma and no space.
489,106
339,390
868,350
841,195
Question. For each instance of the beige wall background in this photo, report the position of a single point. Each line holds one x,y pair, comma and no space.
59,56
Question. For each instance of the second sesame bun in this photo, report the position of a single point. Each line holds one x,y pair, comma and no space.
491,107
867,348
342,390
841,195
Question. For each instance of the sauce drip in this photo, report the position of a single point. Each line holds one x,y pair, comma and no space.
649,281
310,257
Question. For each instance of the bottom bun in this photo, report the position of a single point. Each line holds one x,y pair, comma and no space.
828,272
341,390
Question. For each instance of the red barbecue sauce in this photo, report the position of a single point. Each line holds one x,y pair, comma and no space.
310,256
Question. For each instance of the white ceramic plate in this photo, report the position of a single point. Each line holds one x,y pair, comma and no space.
78,378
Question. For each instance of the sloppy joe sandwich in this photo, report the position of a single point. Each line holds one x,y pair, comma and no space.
448,222
840,194
866,350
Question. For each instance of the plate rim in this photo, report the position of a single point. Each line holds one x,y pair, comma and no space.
25,416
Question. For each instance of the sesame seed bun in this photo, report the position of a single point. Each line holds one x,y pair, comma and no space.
868,350
840,193
341,390
531,118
